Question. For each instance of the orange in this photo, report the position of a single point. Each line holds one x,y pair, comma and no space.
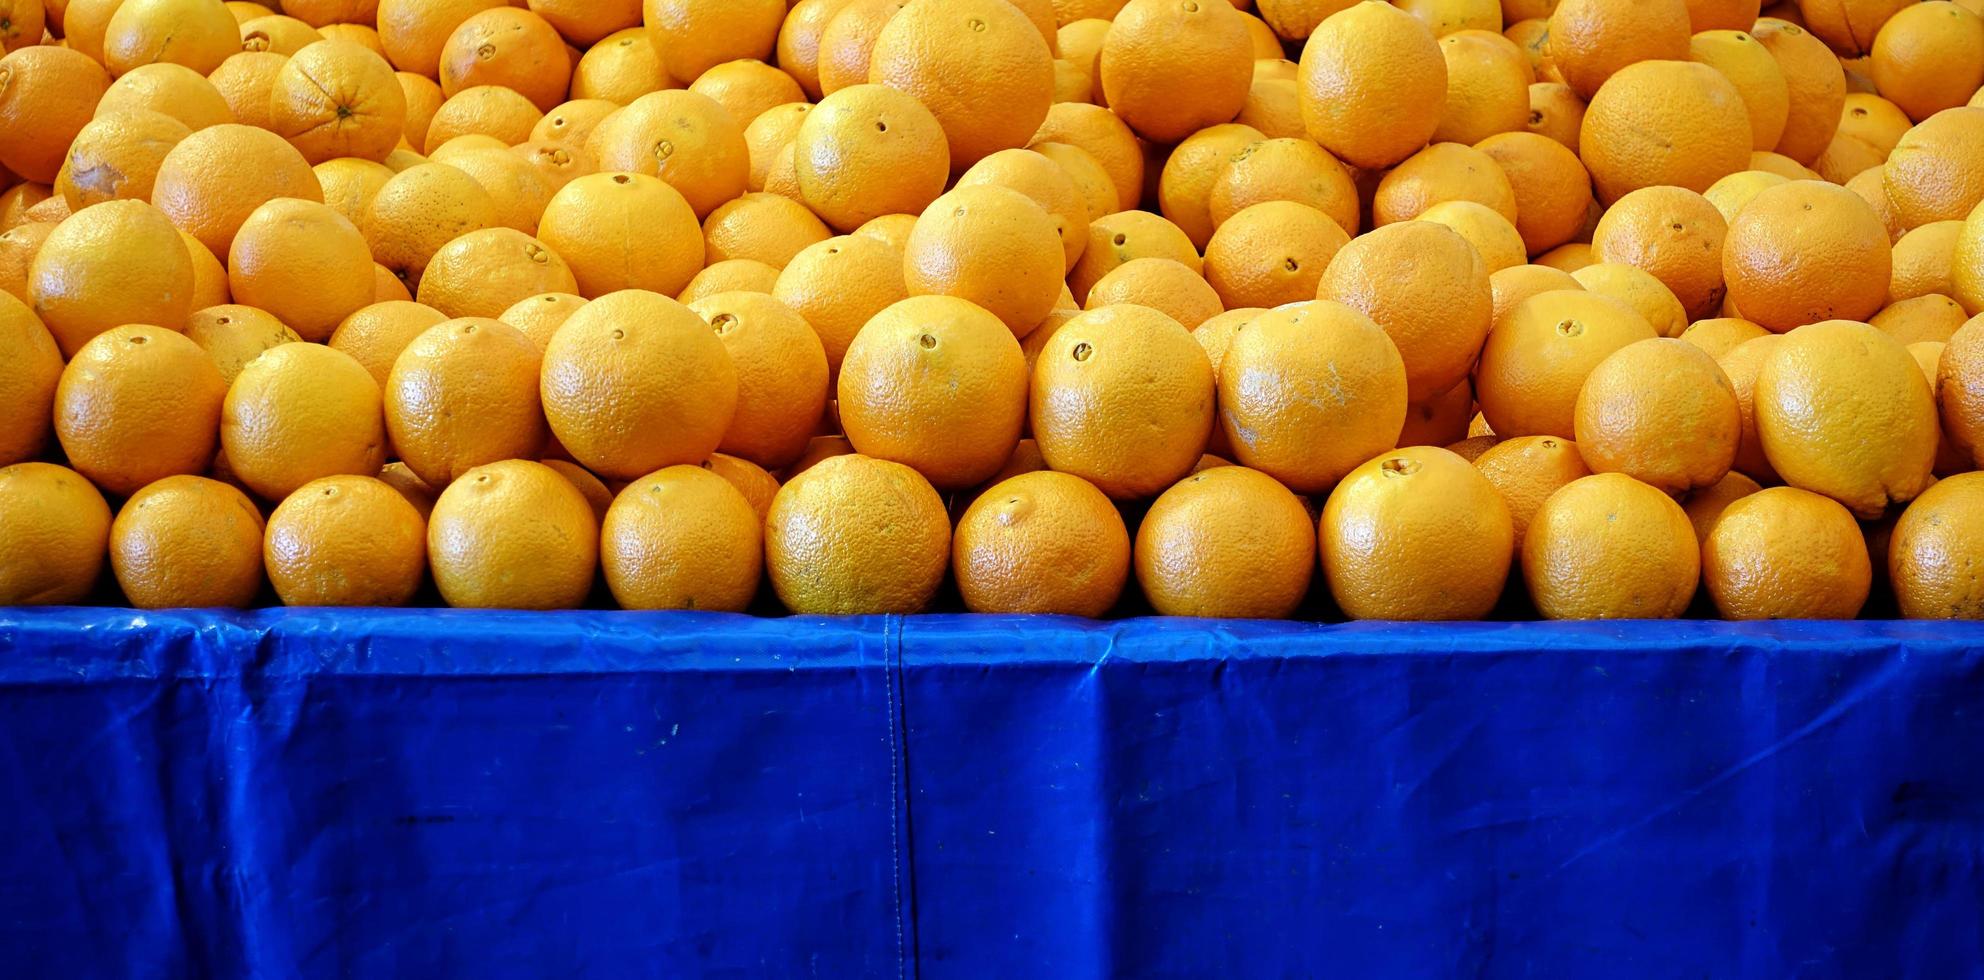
1932,556
1114,239
117,156
1733,193
838,285
350,184
1951,458
1271,253
489,110
1511,286
414,32
1122,397
304,263
866,151
1729,15
1285,170
1929,57
138,404
620,69
540,316
1195,166
771,134
1593,40
693,36
1639,290
424,99
1143,68
110,264
748,88
30,367
1672,233
1815,83
1742,364
1526,470
1611,547
624,231
214,179
1874,121
54,528
1077,62
1428,288
1048,185
1445,17
209,275
1226,543
986,75
990,246
82,23
1662,412
928,365
821,448
1923,261
1041,542
1806,251
587,22
1960,387
1664,122
1442,172
420,210
1936,172
519,189
199,34
730,276
234,335
23,24
1473,447
187,541
359,34
513,535
889,229
1274,106
1105,137
1556,112
781,376
1488,81
277,34
1718,335
635,381
1416,534
345,541
572,124
336,99
464,393
47,95
597,495
685,139
1784,553
1538,357
1844,159
799,37
512,48
387,286
183,94
1373,85
750,479
375,335
1780,165
1439,420
52,208
857,535
1163,285
300,412
1933,317
765,227
1842,409
848,42
1758,79
1705,506
1491,234
1308,392
483,273
1295,20
682,538
1549,184
1850,27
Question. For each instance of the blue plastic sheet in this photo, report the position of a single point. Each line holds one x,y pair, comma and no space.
435,793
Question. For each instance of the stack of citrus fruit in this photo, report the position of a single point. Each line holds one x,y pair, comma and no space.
1631,306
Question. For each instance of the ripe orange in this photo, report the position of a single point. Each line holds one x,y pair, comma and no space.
486,110
1719,335
1047,184
770,134
115,263
345,541
750,479
1842,409
1727,15
693,36
1806,251
838,285
30,367
1308,392
1849,26
304,263
1492,235
1664,122
1428,288
1815,83
1936,172
1442,172
214,179
199,34
1526,470
1846,158
867,151
1758,79
1660,411
117,156
1041,542
1733,193
635,381
300,412
1373,85
1923,261
799,38
415,31
187,541
512,48
1122,397
277,34
1537,358
54,528
685,139
765,227
1416,534
1784,553
1933,317
748,88
1114,239
1705,506
1488,81
47,95
1873,120
730,276
1271,253
1105,137
1611,547
1593,40
513,535
1511,286
1929,57
1932,556
209,275
350,184
234,335
782,375
336,99
1170,69
1552,190
682,538
1285,170
1166,286
857,535
1638,289
1672,233
1194,166
624,231
464,393
848,41
540,316
985,74
990,246
485,272
587,22
1556,112
519,189
1227,542
619,69
375,335
1741,364
138,404
1439,420
185,95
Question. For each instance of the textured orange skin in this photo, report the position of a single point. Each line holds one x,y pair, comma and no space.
513,535
685,139
856,535
1047,184
1664,122
1440,420
782,375
765,227
867,151
1428,288
772,133
1115,239
1309,392
620,69
1537,358
1271,253
838,285
345,541
214,179
350,184
1742,363
1474,447
1285,170
1416,534
1556,112
635,381
304,263
985,73
1132,414
320,13
1806,251
336,99
1758,78
1705,506
1924,261
277,33
234,335
487,110
1295,20
1936,172
930,384
1492,235
1526,470
1226,542
1785,553
799,40
485,272
540,316
111,264
1611,547
1170,69
1816,83
1373,85
1551,188
1873,120
1488,81
1193,169
199,34
1849,27
693,36
1639,290
1925,318
1510,286
509,47
624,231
1106,138
462,394
187,541
1673,233
138,404
25,21
30,368
1933,561
748,89
848,42
415,31
1843,409
1929,57
241,89
990,246
1041,542
587,22
1662,412
1960,387
756,484
1169,287
117,156
47,95
1442,172
298,413
375,335
682,538
54,527
1592,40
1722,15
1720,335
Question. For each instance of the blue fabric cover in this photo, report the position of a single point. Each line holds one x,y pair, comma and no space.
595,794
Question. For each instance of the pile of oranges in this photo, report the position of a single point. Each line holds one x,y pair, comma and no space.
1606,301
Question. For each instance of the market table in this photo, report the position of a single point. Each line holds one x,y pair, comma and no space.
428,792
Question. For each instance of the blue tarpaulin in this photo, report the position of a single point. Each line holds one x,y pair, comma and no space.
601,794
